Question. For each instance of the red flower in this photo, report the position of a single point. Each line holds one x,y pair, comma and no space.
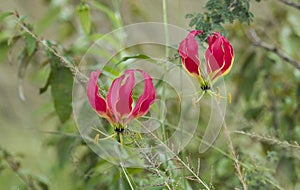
117,107
188,51
219,56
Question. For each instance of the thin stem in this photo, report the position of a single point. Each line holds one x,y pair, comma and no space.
63,60
165,15
153,165
230,156
269,140
177,157
127,177
163,96
121,180
190,170
235,157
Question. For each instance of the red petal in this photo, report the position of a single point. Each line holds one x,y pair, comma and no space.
188,51
146,99
219,55
214,56
123,106
228,58
119,97
96,101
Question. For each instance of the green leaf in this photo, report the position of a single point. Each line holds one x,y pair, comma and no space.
61,90
189,16
45,87
61,81
138,56
3,15
30,44
193,22
83,11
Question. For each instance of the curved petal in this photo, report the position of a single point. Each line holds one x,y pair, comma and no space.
228,58
119,97
146,99
219,56
188,51
214,56
97,102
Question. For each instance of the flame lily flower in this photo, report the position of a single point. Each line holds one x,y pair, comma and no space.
117,107
219,56
188,51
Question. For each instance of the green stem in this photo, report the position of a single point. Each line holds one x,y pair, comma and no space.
163,98
127,177
165,15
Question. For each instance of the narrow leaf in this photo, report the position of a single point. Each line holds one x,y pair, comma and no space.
30,44
45,87
189,16
138,56
193,22
83,11
3,15
61,90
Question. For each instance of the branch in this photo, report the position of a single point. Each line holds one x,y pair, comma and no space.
290,3
270,140
235,158
62,59
258,42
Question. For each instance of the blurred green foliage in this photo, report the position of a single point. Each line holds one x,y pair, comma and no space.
263,118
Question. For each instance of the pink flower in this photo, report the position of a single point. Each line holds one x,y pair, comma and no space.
188,51
117,107
219,55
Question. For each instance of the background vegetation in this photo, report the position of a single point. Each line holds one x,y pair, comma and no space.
39,143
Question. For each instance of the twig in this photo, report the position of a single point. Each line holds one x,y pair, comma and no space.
180,160
290,3
258,42
270,140
63,60
235,157
156,171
